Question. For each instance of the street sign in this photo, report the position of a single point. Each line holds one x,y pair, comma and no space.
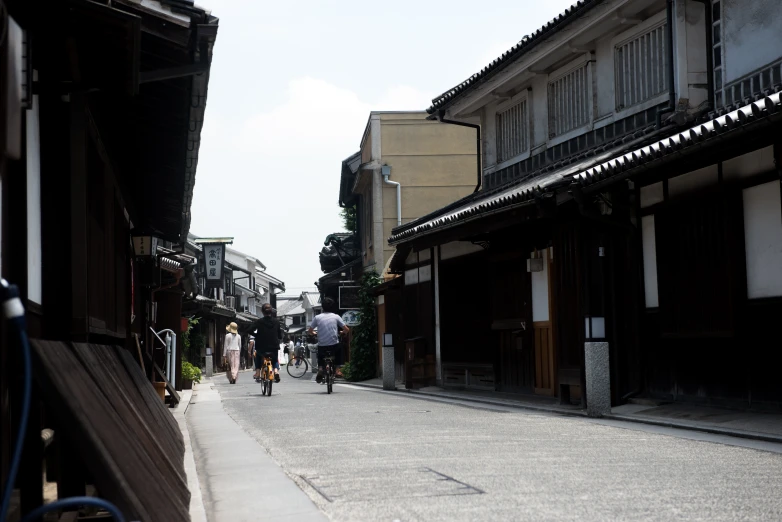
214,254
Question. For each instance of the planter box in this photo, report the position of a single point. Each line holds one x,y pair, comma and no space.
187,384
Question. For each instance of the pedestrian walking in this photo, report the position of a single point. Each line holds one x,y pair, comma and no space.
251,353
232,347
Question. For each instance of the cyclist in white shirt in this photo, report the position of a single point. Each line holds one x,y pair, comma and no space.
329,326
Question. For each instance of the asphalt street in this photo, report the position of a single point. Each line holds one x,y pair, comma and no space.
365,455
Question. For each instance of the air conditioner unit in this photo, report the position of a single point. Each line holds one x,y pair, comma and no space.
230,301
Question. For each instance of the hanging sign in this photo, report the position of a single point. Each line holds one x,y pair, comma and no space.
348,298
352,318
214,254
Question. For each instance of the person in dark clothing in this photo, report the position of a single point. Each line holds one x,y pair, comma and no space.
267,340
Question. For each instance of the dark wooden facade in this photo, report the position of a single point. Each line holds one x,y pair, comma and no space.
109,146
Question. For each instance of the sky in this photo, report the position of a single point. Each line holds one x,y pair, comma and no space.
291,88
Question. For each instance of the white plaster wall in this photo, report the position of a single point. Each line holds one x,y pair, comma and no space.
752,35
763,240
694,180
538,107
652,194
650,262
489,135
458,248
33,154
540,294
696,53
604,72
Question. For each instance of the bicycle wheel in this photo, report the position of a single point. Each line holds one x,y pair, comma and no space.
263,385
297,367
269,388
329,379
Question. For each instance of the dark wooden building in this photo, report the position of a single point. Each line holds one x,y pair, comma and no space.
102,112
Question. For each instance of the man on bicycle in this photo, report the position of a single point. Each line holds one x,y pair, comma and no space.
329,325
267,340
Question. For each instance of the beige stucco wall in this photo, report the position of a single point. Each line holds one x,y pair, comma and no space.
434,162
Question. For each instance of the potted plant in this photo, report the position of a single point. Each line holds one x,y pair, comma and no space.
190,374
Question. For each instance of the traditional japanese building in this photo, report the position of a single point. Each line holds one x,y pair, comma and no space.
627,236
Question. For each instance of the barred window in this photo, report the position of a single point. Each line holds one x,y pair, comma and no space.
641,68
568,101
512,131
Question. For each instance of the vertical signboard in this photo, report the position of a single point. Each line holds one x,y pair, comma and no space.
214,254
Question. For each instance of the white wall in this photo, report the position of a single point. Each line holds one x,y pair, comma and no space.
540,292
650,261
33,153
752,35
763,240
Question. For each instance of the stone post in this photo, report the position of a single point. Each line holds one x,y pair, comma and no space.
598,378
389,379
209,367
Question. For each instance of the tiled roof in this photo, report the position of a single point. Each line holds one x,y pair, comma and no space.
596,168
527,42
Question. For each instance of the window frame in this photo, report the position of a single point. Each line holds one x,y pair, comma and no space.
583,61
522,97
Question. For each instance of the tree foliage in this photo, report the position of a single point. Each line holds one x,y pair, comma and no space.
363,347
348,215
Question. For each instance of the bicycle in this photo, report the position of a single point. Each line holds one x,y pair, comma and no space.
297,366
267,375
330,371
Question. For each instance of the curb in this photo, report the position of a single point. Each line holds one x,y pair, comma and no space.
752,435
197,509
480,400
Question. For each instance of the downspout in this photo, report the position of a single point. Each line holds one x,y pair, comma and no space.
709,52
671,91
478,146
385,171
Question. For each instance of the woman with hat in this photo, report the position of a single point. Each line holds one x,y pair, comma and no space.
231,348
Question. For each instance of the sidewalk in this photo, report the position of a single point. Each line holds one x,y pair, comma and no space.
750,425
238,480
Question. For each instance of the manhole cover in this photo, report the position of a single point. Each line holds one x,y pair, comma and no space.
389,484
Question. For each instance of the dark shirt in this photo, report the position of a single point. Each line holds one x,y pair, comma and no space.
268,336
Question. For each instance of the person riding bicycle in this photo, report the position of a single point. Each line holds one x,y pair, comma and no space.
329,325
267,340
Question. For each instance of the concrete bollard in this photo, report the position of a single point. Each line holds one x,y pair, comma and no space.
389,379
598,378
209,370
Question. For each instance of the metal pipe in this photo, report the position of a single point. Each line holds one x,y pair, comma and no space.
385,171
478,146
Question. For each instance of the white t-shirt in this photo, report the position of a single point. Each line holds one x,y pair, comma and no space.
328,326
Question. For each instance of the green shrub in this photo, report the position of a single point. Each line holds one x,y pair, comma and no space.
191,372
363,347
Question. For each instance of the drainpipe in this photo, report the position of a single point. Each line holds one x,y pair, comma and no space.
440,117
671,92
385,170
709,52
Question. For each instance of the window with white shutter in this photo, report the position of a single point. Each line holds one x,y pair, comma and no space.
568,101
641,69
512,131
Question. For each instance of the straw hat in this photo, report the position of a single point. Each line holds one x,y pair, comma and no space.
227,328
233,328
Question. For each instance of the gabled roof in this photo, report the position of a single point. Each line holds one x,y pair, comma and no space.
598,168
312,299
527,43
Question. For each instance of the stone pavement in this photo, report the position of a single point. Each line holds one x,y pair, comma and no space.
238,480
365,455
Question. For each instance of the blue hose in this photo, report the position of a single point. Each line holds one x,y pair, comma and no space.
13,310
72,502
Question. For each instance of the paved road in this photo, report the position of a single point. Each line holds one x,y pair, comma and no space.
364,455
